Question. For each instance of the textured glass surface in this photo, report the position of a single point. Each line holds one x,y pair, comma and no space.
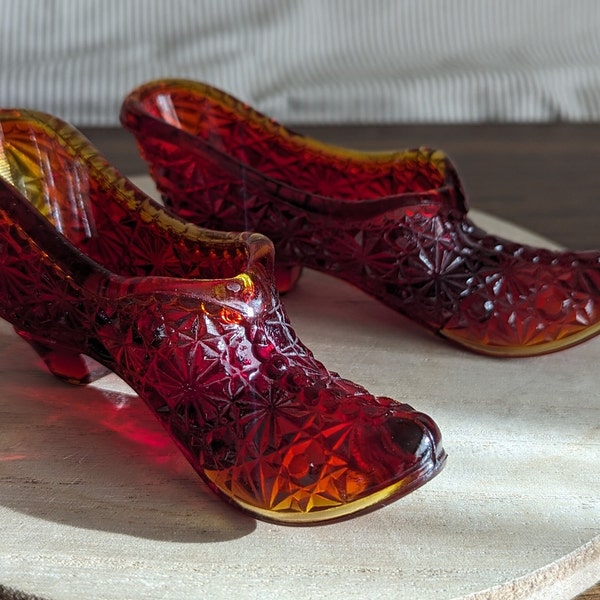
393,224
191,320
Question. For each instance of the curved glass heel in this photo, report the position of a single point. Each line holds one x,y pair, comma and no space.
191,320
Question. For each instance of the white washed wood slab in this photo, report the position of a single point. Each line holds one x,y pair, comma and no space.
95,502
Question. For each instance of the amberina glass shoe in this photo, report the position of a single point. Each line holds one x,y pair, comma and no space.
393,224
191,320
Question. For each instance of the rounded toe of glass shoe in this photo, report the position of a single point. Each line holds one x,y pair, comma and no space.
537,302
416,435
323,457
408,449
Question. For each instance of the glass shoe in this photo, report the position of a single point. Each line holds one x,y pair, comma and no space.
96,275
393,224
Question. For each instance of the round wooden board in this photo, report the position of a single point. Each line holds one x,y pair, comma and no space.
95,501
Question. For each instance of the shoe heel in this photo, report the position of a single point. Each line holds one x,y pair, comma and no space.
286,277
65,364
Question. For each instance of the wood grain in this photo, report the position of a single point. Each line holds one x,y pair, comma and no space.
541,177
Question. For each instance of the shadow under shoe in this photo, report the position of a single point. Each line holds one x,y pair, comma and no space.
393,224
191,320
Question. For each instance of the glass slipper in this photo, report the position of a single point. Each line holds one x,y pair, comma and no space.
393,224
190,318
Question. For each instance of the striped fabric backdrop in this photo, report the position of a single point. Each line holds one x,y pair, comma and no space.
311,60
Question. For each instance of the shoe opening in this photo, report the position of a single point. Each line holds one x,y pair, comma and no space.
259,143
100,212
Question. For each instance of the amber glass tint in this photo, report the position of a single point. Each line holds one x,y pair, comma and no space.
393,224
91,268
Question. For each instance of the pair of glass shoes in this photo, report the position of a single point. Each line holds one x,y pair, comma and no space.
97,276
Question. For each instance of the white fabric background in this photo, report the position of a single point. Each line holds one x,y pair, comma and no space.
311,60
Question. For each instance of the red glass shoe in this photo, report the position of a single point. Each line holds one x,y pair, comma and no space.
395,224
191,320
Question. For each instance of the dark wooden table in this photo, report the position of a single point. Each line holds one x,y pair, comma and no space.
544,177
